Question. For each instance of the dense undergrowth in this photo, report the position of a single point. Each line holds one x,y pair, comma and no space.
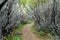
14,36
42,32
18,29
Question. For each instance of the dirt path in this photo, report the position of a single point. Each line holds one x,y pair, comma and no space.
27,34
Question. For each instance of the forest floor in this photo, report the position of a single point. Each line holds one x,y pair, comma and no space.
27,34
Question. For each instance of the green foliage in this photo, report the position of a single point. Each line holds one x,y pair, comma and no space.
42,33
32,3
43,1
45,31
15,37
9,37
22,2
20,27
33,29
30,21
18,37
52,33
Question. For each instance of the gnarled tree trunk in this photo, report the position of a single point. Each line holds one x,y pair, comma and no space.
9,16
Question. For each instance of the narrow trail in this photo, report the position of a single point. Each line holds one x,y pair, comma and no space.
27,34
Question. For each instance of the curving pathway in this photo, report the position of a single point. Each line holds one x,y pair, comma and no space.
27,34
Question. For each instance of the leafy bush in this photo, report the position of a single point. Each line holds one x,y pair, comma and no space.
15,37
20,27
42,33
53,33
